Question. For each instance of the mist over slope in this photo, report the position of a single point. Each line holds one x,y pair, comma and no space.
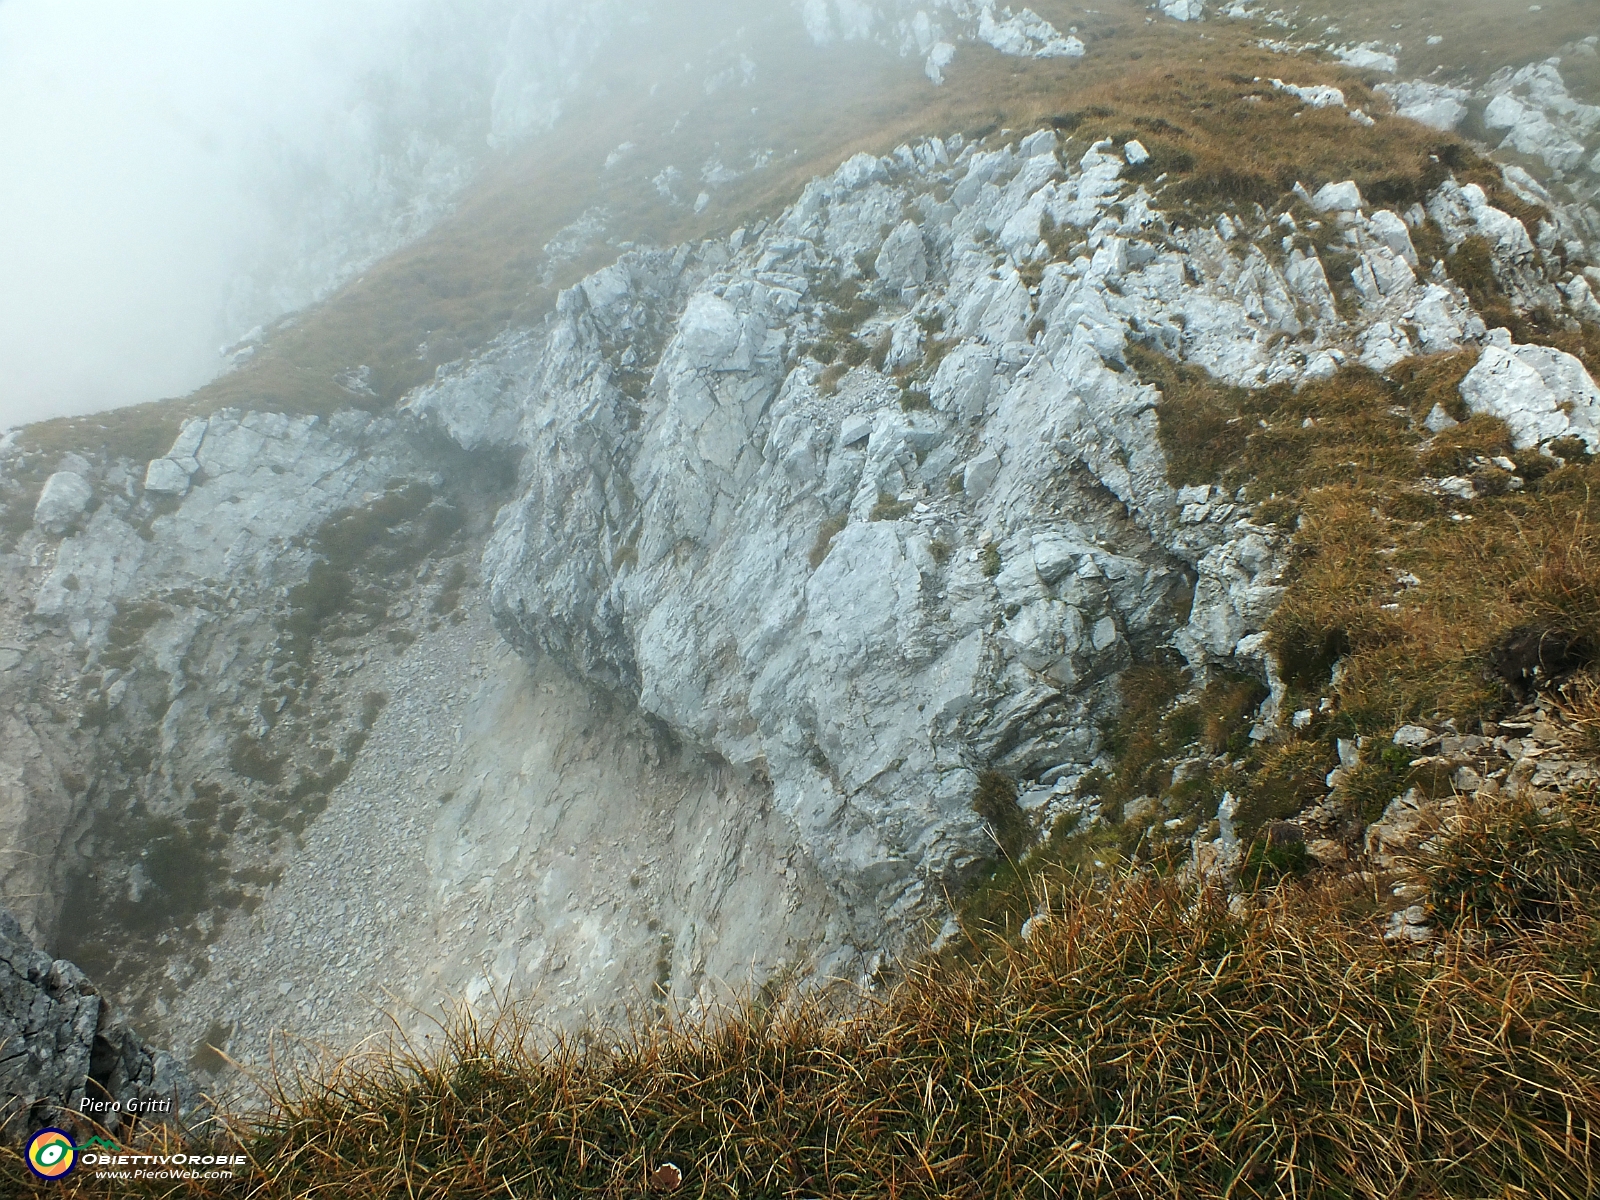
180,173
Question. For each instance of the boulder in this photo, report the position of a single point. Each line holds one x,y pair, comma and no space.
167,477
1434,105
479,407
1367,58
855,430
964,382
978,476
1317,95
1438,420
902,262
1338,197
1540,392
1026,35
1391,231
1055,556
65,496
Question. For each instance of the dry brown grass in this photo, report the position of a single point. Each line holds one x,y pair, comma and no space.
1511,864
1480,36
1402,603
1147,1042
1351,486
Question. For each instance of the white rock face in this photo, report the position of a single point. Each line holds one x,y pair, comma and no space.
1540,392
475,408
166,476
842,566
1026,35
1528,130
64,497
1464,212
1433,104
1393,233
1317,96
1184,10
931,30
171,474
668,546
295,471
1540,118
1370,57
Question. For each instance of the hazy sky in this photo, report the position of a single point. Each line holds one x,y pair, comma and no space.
144,149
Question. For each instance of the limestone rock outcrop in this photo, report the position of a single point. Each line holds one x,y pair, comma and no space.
1541,393
867,584
60,1045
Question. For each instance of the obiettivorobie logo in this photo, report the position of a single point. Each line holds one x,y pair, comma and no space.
52,1154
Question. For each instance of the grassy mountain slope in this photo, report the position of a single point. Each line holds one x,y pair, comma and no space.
1149,1039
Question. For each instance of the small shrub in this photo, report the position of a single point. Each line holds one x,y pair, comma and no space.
989,562
1306,655
1286,778
1573,449
1367,789
1228,706
831,528
890,509
1266,863
880,351
1059,239
1537,653
1472,266
995,800
1427,381
1457,451
372,704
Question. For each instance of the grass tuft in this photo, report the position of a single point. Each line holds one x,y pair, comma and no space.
995,800
1509,863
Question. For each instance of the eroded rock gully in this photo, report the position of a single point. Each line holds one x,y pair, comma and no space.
656,652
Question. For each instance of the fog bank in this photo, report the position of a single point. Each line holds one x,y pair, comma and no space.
178,171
